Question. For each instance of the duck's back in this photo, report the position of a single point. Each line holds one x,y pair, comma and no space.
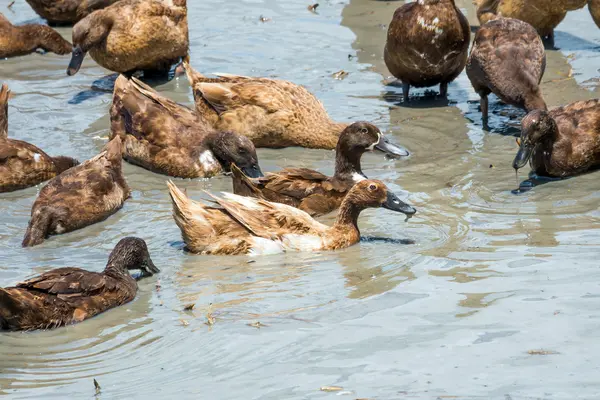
23,165
543,15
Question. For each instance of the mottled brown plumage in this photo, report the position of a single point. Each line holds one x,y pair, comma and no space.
25,39
66,296
66,12
563,141
594,8
427,44
252,226
131,35
272,113
165,137
508,59
79,197
22,164
310,190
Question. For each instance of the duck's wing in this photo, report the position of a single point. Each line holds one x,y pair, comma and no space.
4,95
22,162
69,282
88,6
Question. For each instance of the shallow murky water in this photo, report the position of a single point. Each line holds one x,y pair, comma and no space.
458,305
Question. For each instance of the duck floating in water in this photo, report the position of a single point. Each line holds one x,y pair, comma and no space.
246,225
508,59
165,137
132,35
561,142
25,39
427,44
22,164
80,196
67,296
310,190
66,12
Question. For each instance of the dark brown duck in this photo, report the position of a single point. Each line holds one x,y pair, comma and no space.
25,39
66,12
67,296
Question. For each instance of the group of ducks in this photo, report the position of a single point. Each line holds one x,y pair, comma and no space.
428,43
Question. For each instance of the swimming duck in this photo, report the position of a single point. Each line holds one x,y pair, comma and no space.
272,113
561,142
22,164
131,35
25,39
69,295
81,196
427,44
246,225
61,12
508,59
543,15
310,190
168,138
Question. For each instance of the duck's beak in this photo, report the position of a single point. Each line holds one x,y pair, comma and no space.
523,155
148,268
395,204
252,171
391,149
76,59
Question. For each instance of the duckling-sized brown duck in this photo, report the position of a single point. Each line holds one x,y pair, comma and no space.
165,137
310,190
245,225
271,112
561,142
427,44
508,59
81,196
67,296
25,39
66,12
22,164
132,35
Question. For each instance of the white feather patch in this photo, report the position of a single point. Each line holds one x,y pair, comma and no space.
208,160
264,246
302,242
37,157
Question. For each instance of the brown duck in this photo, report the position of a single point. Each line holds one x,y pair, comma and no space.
81,196
561,142
310,190
165,137
67,296
25,39
131,35
427,44
272,113
508,59
245,225
66,12
22,164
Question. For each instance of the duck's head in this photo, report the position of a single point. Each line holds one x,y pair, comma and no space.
535,127
87,33
132,253
361,137
231,148
372,193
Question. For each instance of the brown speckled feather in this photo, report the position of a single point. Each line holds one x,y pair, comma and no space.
66,11
25,39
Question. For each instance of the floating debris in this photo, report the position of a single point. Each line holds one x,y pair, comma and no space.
350,57
184,322
331,388
210,320
96,384
313,8
264,19
10,6
257,325
189,307
341,74
542,352
491,165
158,286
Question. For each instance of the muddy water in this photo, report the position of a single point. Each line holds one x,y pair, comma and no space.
484,294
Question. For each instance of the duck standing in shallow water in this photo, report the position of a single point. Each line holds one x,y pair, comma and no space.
508,59
26,39
67,296
132,35
66,12
22,164
310,190
245,225
427,44
165,137
561,142
81,196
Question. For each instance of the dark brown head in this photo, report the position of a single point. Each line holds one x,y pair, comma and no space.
87,33
361,137
372,193
4,95
231,148
131,253
62,163
535,127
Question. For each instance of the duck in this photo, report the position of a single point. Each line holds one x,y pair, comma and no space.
168,138
427,44
66,12
26,39
508,59
246,225
133,35
273,113
594,8
80,196
66,296
312,191
562,142
23,164
543,15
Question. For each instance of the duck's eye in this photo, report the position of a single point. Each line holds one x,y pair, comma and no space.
372,187
364,130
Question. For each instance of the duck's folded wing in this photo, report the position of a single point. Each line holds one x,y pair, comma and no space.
69,282
293,182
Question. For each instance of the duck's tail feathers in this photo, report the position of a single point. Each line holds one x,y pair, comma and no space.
193,76
4,95
113,150
242,184
63,163
38,227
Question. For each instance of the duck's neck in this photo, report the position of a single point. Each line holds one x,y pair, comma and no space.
347,163
347,218
535,101
116,272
